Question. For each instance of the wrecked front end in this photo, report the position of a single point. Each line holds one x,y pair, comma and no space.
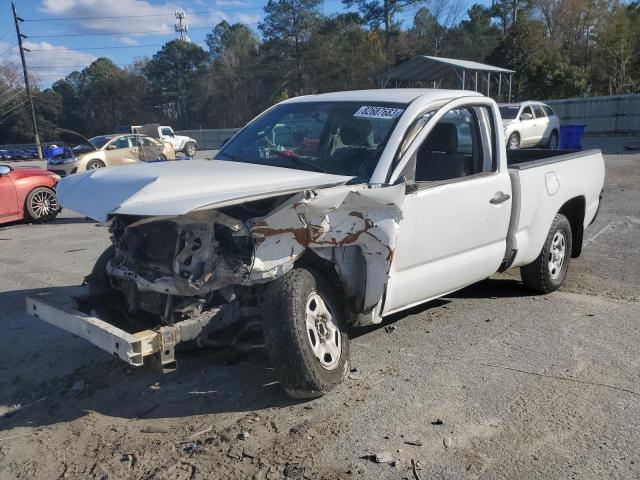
175,268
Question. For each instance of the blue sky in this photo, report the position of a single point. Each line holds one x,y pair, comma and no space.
148,24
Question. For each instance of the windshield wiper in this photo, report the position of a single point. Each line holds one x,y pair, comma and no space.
295,160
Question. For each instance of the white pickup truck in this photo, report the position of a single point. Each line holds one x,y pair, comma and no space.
324,211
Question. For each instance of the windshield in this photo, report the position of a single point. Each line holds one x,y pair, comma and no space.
509,112
341,138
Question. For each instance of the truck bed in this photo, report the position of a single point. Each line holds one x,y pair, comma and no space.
546,182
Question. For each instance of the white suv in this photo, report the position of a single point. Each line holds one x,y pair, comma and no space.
530,124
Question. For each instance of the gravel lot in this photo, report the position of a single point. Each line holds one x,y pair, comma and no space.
491,382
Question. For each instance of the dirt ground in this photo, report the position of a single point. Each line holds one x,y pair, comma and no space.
491,382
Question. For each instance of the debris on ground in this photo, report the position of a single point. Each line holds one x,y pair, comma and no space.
152,429
389,328
415,443
437,421
446,441
381,457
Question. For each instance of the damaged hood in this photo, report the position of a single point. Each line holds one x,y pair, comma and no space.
176,188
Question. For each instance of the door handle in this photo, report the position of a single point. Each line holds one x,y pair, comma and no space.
499,198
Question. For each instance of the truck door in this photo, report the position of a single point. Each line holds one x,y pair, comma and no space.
457,207
167,134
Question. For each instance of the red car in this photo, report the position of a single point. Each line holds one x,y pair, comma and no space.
27,192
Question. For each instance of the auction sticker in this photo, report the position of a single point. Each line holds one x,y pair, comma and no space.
368,111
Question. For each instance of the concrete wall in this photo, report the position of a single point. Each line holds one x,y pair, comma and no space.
209,139
611,115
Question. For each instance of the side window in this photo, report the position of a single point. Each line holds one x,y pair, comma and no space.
459,145
166,131
526,110
548,110
147,142
539,112
122,142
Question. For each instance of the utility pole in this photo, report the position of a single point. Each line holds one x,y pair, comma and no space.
181,27
17,21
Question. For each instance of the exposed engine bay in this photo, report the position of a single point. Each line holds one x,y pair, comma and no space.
175,268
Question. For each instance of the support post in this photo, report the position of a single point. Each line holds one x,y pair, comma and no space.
463,78
476,81
488,83
510,78
17,21
499,85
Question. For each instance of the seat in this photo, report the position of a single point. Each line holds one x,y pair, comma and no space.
438,157
353,144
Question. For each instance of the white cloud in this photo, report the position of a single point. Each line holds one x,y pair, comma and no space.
48,62
129,40
248,19
231,3
159,17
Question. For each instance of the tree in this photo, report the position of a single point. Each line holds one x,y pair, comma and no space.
381,12
426,34
174,72
287,28
477,37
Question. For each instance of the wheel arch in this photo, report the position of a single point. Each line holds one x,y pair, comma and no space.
574,210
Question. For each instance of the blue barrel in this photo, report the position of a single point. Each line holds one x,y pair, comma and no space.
570,136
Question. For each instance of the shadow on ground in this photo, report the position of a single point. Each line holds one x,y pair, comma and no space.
206,382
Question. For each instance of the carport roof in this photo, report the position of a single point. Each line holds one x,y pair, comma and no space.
426,68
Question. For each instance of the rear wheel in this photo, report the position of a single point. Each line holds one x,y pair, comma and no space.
304,334
514,142
547,272
553,141
42,204
190,149
95,164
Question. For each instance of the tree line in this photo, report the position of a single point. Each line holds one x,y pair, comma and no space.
559,49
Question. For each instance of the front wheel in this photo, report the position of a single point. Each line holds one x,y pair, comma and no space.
304,334
514,142
190,149
95,164
547,272
42,204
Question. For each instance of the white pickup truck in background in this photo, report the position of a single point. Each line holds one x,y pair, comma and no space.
324,211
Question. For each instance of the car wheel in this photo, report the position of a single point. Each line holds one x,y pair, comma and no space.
304,334
42,204
190,149
95,164
547,272
553,141
514,142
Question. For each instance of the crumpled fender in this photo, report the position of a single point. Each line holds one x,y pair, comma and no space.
330,219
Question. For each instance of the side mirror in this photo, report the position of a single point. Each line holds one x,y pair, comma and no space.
5,170
526,116
111,147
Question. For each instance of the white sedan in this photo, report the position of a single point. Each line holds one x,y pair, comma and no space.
530,124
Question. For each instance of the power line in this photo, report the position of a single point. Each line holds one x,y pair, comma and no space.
14,107
171,14
11,98
2,120
147,32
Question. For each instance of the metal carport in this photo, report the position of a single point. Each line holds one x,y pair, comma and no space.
424,68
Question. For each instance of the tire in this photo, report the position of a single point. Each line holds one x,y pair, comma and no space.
95,164
548,272
190,149
514,142
162,157
553,141
98,280
42,204
310,358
